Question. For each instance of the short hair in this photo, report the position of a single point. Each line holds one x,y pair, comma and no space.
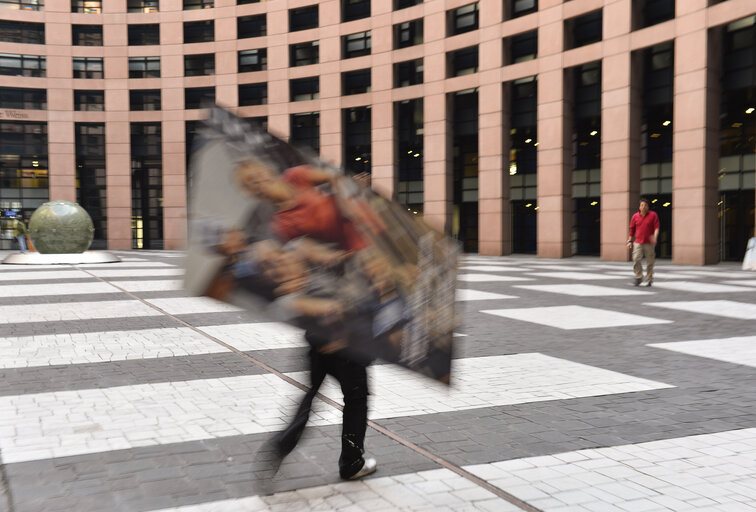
644,200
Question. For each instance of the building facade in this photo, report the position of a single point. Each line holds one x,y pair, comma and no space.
527,126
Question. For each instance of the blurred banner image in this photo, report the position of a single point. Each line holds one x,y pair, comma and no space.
272,228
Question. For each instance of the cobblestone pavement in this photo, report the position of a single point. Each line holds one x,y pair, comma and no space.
573,390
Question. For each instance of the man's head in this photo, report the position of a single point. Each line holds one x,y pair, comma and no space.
643,206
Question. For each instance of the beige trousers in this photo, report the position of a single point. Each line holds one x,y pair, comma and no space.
641,251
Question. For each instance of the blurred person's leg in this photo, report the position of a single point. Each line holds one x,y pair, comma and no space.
650,255
637,265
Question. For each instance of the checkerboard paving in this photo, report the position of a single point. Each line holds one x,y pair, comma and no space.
567,395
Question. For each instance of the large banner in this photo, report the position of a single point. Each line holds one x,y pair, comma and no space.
273,228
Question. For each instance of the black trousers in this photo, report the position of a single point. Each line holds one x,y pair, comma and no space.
352,377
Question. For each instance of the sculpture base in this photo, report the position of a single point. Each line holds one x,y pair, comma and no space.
36,258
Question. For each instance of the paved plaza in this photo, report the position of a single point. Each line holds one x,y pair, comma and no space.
572,390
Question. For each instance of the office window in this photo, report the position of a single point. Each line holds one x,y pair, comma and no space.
244,2
190,5
303,89
89,100
303,54
91,177
521,47
199,31
355,82
146,186
464,19
651,12
251,26
89,139
408,141
144,34
582,30
23,5
22,32
86,35
303,18
403,4
354,9
34,99
144,67
409,72
463,62
356,45
305,130
144,99
22,65
145,6
88,67
408,34
199,64
86,6
522,7
253,94
356,139
199,97
253,60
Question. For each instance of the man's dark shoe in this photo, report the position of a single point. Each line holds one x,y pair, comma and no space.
648,284
367,468
637,282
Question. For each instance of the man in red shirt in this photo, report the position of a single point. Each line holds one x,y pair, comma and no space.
644,231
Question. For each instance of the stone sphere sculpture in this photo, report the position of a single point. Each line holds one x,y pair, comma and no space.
61,227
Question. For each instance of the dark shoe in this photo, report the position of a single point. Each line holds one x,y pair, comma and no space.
367,468
637,282
648,284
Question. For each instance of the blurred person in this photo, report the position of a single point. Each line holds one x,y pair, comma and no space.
644,232
19,231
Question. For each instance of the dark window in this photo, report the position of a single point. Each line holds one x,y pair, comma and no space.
146,139
22,65
409,33
355,82
354,9
88,67
305,130
144,99
146,186
87,6
523,7
403,4
258,122
144,34
198,4
22,32
463,62
91,177
583,30
244,2
651,12
89,100
464,19
251,26
199,31
199,64
253,60
521,47
356,45
357,143
303,54
303,18
90,139
34,99
253,94
23,5
199,97
409,143
144,67
86,35
143,6
408,73
303,89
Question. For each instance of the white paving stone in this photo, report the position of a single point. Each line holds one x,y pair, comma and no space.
659,276
157,285
561,268
575,276
738,350
494,268
126,265
257,336
489,278
464,295
696,287
742,282
25,275
725,308
137,272
633,485
22,313
742,274
51,289
583,290
191,305
575,317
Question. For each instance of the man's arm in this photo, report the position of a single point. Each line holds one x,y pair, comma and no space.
631,234
656,230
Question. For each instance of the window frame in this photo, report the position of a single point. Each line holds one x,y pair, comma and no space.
310,48
89,62
79,30
365,38
87,93
256,86
195,58
143,34
262,58
251,21
148,71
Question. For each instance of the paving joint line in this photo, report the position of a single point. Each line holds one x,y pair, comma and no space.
386,432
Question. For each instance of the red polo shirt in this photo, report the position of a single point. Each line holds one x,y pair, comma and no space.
643,227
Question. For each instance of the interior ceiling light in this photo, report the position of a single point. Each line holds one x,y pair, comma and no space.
594,132
750,110
666,123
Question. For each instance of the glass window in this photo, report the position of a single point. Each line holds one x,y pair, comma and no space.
142,6
354,9
523,7
521,47
199,64
199,97
303,54
408,34
86,35
140,35
23,5
251,26
144,67
88,67
356,45
34,99
403,4
90,139
22,32
86,6
463,62
253,94
409,144
198,4
253,60
244,2
355,82
303,18
409,72
305,130
146,186
583,30
89,100
651,12
463,19
144,99
303,89
22,65
357,143
199,31
91,177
